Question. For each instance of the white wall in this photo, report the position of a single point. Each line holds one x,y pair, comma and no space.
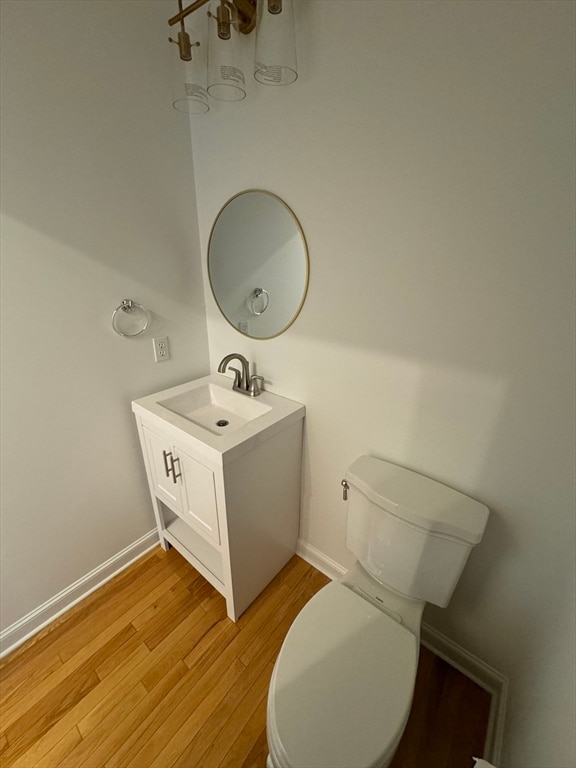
97,206
427,149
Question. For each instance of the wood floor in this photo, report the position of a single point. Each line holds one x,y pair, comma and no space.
149,671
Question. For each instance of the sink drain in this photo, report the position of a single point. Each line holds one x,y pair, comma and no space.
222,423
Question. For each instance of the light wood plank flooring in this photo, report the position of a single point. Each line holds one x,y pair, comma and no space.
149,672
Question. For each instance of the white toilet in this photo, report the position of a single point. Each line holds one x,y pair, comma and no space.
342,686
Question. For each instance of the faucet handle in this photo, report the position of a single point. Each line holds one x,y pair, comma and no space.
255,389
237,377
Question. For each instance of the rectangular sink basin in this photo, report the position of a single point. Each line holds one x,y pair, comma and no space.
220,422
215,408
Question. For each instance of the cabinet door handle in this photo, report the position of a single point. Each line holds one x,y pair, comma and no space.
174,475
167,468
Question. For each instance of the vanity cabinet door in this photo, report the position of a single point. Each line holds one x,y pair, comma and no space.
199,497
184,484
161,459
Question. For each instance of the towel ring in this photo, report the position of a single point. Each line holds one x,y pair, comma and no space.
259,293
134,317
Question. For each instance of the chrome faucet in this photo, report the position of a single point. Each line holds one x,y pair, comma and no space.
243,382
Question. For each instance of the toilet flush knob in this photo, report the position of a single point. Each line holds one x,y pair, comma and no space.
345,488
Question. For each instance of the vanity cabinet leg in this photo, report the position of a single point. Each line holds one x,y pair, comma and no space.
230,609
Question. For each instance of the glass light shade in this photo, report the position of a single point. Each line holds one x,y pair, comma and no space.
275,45
189,87
226,81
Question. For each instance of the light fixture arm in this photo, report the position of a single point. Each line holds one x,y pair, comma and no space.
245,10
182,13
183,41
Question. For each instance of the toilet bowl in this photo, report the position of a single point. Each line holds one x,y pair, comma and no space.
336,699
342,686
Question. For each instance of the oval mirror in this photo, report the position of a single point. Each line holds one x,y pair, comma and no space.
258,264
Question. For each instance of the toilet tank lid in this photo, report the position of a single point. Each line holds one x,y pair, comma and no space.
418,499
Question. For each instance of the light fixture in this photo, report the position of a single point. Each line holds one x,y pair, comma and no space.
188,88
275,43
226,80
275,48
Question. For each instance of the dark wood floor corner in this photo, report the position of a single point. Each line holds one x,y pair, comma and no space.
148,671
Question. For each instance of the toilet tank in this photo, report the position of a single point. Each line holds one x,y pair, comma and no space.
409,532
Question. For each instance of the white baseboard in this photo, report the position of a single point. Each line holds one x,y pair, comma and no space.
319,560
481,673
477,670
33,622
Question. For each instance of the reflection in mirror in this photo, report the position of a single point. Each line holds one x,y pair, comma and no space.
258,264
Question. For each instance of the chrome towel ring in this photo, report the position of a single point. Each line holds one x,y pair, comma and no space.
130,318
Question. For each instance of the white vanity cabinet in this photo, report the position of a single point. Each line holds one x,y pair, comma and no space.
228,502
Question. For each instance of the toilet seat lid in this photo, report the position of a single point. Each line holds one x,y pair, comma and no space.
342,686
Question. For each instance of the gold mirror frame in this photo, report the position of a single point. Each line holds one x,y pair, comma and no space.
260,290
